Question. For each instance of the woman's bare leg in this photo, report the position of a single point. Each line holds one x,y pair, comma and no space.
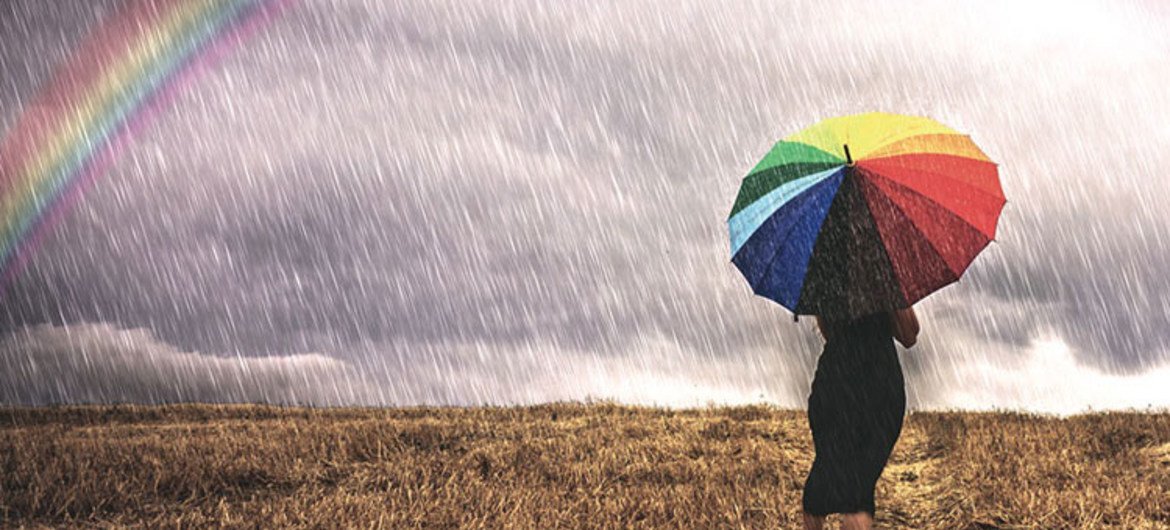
813,522
856,521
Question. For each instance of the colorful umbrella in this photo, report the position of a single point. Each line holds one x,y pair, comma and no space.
864,213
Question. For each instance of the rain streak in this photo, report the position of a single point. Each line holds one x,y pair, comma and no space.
485,202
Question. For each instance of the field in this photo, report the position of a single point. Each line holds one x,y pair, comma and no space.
563,465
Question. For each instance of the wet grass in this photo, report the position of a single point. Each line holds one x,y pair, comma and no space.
563,465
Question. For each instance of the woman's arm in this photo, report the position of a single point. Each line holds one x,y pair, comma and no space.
905,324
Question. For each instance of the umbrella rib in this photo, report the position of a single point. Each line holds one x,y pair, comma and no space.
784,240
913,226
919,230
791,193
928,198
814,147
936,174
967,136
827,130
882,247
937,153
885,141
775,169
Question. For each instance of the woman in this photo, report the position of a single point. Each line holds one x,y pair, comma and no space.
855,412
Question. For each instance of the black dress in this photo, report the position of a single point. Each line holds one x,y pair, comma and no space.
855,412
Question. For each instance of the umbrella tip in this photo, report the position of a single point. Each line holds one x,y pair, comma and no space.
848,157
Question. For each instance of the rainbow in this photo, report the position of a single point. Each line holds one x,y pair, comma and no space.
127,70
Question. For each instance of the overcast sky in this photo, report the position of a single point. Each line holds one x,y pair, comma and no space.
465,202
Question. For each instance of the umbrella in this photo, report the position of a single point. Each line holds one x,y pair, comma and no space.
864,213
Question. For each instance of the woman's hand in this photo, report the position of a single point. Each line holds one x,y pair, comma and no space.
905,324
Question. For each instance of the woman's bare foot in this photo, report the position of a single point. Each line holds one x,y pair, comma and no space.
813,522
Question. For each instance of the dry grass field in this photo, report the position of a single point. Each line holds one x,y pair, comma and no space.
582,465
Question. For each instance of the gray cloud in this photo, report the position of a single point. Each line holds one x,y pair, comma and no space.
100,363
508,173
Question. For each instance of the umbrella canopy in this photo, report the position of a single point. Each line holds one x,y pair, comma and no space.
864,213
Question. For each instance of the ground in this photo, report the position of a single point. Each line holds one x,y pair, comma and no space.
563,465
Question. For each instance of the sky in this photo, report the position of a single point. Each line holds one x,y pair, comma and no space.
510,202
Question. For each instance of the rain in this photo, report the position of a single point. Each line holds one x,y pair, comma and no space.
508,202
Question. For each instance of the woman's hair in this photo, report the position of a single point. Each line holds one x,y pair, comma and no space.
830,325
827,326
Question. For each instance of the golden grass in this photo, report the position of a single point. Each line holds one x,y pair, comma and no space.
562,465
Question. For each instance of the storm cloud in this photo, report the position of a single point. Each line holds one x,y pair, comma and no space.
542,189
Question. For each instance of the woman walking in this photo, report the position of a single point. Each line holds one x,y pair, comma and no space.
855,412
